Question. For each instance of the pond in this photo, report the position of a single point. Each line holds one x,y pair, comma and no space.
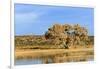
53,59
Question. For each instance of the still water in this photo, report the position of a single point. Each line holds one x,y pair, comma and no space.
48,60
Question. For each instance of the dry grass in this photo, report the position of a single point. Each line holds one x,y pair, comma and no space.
49,47
34,53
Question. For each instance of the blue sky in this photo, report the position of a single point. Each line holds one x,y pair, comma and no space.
36,19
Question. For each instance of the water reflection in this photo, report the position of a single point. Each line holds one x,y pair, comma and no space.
58,58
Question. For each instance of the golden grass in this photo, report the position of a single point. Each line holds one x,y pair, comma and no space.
49,47
34,53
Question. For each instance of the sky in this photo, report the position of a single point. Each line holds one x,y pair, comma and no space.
36,19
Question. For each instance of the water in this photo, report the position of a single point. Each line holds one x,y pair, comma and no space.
32,61
48,60
28,61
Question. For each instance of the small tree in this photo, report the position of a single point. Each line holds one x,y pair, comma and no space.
67,35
